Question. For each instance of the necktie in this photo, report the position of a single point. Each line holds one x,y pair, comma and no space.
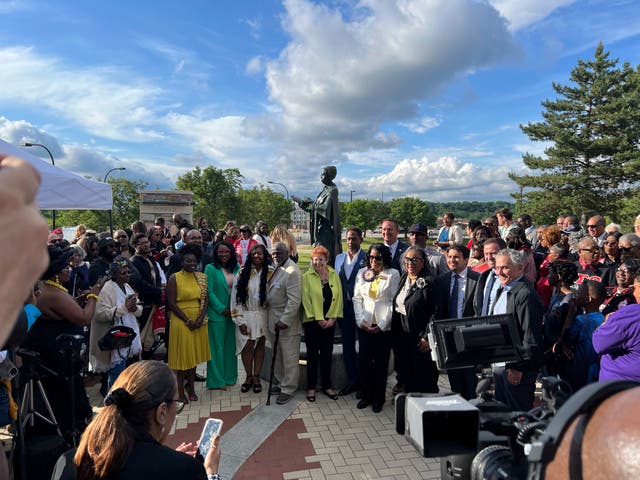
453,299
495,300
491,280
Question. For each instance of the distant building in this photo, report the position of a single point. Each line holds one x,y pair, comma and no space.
165,203
299,218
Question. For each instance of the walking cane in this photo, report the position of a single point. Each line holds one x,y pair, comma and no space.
273,364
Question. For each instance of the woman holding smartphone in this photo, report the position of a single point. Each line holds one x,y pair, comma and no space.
117,305
125,440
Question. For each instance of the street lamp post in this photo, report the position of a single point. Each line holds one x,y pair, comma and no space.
351,195
29,144
282,185
110,210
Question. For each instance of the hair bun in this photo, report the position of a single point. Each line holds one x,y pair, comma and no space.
118,397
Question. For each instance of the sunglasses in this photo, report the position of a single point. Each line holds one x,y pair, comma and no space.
592,226
375,257
625,249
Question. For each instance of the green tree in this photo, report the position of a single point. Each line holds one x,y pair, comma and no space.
409,210
593,161
215,192
365,214
126,208
263,204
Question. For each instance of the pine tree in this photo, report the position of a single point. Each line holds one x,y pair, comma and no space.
592,164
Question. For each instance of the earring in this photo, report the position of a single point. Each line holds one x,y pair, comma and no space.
57,279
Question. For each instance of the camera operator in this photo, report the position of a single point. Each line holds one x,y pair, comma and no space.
61,315
515,386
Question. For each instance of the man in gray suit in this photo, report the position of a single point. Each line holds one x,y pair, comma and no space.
284,295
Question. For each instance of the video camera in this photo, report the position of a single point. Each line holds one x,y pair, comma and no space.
481,438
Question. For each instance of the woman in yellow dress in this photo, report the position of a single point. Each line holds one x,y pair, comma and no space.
187,303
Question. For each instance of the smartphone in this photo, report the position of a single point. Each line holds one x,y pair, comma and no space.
212,427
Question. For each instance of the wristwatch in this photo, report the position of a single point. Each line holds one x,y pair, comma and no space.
213,476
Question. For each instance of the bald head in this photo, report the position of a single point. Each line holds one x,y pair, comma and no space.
193,237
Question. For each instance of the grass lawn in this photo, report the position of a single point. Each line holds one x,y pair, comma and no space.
304,251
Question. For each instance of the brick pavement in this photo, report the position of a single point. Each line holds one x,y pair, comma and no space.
323,440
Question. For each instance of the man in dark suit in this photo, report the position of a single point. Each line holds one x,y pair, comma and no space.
390,231
454,298
515,385
347,266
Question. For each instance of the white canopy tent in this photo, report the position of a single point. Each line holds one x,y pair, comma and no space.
63,190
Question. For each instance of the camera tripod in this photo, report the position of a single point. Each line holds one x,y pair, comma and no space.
28,412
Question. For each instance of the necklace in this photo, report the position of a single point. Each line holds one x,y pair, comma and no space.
55,284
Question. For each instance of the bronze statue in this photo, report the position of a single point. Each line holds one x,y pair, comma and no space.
325,227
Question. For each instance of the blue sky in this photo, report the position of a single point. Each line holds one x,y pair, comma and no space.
406,97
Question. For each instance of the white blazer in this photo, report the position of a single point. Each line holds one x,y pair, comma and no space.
364,306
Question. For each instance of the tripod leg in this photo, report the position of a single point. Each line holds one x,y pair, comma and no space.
52,418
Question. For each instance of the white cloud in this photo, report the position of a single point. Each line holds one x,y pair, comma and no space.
255,26
255,65
338,80
107,101
442,179
17,132
425,124
522,13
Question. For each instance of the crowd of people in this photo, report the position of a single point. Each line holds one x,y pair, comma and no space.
211,296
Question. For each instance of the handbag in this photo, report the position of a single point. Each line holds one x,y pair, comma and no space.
117,337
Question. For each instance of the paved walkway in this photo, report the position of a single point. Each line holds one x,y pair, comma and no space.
323,440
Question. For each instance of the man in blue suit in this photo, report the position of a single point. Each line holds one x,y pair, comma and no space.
347,266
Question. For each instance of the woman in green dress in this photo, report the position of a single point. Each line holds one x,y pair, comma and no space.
222,369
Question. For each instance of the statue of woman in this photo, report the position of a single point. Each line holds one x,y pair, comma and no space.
325,220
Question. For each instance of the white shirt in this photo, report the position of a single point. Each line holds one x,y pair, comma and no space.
393,247
349,263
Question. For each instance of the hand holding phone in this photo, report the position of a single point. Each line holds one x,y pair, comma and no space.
212,427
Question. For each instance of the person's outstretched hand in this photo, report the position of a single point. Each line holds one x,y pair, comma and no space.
23,232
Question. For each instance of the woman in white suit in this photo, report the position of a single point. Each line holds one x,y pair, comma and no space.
373,295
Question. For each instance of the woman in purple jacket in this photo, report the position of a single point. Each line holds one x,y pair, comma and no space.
618,341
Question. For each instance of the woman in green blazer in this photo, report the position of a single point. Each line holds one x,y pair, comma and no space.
222,369
322,306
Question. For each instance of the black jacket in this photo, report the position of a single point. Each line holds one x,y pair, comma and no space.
150,292
526,306
419,306
442,295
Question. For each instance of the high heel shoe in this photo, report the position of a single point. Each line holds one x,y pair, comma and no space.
332,396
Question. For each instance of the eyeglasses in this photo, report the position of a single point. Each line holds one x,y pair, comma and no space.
592,250
592,226
623,271
412,260
179,405
243,231
121,236
375,257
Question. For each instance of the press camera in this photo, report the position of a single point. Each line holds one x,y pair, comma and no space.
481,438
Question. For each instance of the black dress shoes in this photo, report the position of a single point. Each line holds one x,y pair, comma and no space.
362,404
377,407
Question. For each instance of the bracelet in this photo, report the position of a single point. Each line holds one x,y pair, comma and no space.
92,295
213,476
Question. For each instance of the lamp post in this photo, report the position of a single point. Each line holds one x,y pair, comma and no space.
282,185
351,195
29,144
110,210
